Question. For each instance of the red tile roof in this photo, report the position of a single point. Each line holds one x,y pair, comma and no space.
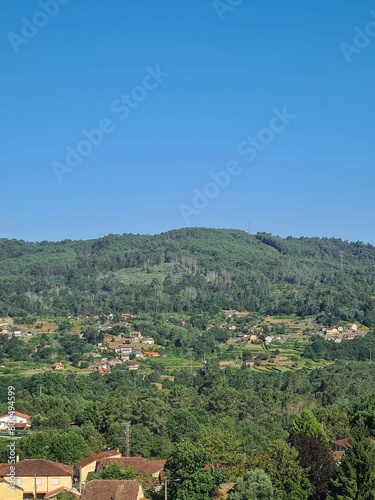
337,455
18,414
57,365
102,371
108,489
62,489
98,456
139,464
42,468
344,443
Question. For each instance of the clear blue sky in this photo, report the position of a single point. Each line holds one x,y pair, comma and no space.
225,78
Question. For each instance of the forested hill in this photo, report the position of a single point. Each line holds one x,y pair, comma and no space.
190,270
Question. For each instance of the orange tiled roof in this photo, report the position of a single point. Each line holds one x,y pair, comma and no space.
139,464
107,489
98,456
30,467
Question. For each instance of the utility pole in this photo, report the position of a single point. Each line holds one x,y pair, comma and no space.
127,438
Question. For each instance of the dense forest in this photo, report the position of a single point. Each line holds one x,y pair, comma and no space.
190,270
246,422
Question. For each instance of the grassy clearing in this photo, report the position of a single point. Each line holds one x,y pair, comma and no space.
144,276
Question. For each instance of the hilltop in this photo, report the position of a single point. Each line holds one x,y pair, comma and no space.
190,270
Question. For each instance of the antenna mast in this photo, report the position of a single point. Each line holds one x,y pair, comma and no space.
127,437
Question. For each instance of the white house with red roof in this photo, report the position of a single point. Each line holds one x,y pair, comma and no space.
18,420
57,366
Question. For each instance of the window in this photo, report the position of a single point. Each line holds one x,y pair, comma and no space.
55,480
38,481
18,481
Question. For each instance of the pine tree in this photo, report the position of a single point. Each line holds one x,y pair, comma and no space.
307,423
355,478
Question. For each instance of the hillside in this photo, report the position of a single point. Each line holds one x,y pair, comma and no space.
192,269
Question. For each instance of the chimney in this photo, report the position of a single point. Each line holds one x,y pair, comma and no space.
17,458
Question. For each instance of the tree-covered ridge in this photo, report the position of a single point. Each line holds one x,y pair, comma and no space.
190,269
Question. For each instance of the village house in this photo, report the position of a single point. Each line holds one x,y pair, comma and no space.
151,354
85,468
135,335
138,353
57,366
110,489
115,361
147,340
9,491
20,421
349,336
52,495
82,316
41,476
153,468
268,339
352,326
331,331
104,368
103,371
131,365
126,350
250,363
339,447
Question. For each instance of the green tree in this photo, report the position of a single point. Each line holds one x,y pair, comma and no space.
355,478
227,449
116,471
315,456
307,423
38,445
68,447
191,474
255,485
66,495
65,447
289,479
